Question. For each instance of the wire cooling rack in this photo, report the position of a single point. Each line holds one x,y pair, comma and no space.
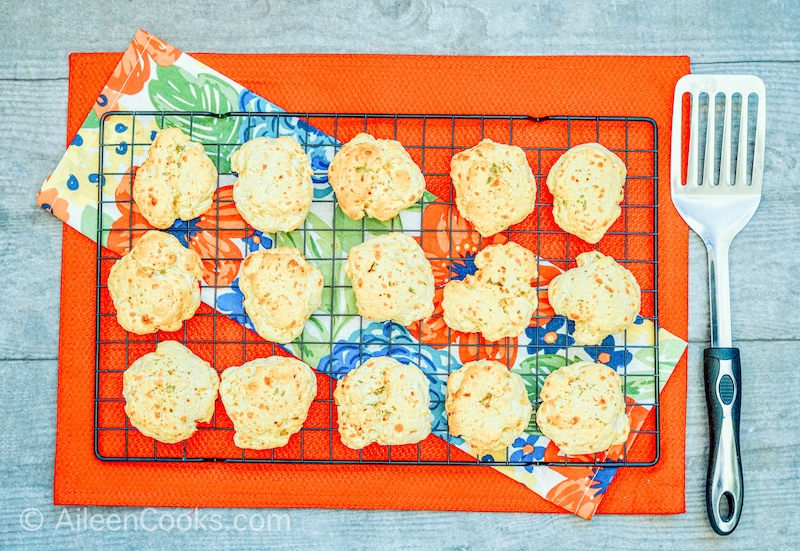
431,140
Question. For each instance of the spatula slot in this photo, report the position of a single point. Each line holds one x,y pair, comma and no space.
732,145
752,124
686,110
720,107
700,112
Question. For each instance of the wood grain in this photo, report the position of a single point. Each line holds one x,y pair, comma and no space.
759,37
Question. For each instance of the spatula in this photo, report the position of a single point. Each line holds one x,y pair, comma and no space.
717,200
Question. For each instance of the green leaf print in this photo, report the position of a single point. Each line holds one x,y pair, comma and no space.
89,223
311,346
317,244
175,89
350,232
640,389
92,121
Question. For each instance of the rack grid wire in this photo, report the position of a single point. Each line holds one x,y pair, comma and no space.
431,140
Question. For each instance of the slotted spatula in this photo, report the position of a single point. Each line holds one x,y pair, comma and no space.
717,208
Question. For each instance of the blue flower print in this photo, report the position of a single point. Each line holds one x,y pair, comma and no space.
231,303
184,230
463,267
258,240
551,337
602,479
607,353
526,450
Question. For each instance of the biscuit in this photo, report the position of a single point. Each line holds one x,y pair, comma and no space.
391,278
583,408
600,296
156,285
487,405
494,185
587,186
383,401
274,189
167,392
375,177
176,180
268,400
497,300
281,290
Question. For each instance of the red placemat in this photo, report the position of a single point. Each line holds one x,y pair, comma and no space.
636,86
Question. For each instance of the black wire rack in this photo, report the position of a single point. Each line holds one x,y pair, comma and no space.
431,140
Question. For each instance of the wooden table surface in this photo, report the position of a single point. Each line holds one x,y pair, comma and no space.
759,37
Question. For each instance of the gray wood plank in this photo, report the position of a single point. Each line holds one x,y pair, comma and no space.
707,31
31,143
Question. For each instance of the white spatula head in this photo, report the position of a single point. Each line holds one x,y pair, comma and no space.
725,159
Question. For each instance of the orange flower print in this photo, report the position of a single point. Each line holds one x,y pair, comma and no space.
212,235
133,70
49,200
575,494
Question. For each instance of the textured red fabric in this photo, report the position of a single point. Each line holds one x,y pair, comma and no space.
634,86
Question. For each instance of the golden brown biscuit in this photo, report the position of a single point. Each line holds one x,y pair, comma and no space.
177,180
268,400
391,278
494,184
497,300
274,189
281,290
156,285
487,405
376,177
167,392
587,186
383,401
601,296
583,408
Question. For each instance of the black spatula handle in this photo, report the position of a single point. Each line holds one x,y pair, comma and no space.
724,488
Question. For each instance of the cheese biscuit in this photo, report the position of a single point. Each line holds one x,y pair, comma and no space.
497,300
383,401
487,405
375,177
587,186
494,184
268,400
600,296
167,392
274,190
176,180
583,408
156,285
391,278
281,290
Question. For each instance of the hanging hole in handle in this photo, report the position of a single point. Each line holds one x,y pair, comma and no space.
725,505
